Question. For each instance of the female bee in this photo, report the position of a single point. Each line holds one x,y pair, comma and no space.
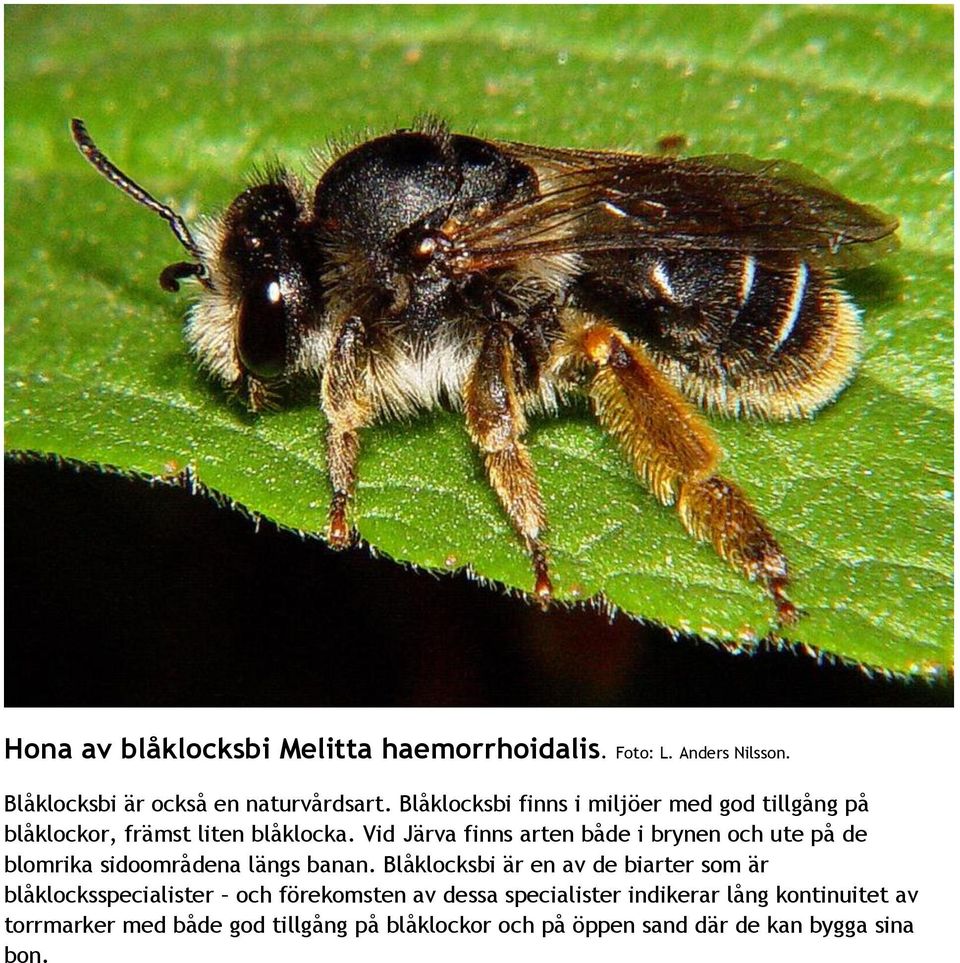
430,268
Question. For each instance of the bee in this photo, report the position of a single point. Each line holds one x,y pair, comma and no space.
431,268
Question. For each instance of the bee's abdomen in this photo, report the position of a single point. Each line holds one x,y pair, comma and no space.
742,335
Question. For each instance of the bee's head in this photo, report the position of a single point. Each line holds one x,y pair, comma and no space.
254,266
263,263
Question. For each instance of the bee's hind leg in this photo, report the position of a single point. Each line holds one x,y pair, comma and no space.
675,453
496,423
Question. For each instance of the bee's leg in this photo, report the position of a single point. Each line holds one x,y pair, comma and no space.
496,422
675,453
347,407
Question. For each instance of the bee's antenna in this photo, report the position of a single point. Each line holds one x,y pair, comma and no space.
116,177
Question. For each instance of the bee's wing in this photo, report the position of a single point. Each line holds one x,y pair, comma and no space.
731,255
603,201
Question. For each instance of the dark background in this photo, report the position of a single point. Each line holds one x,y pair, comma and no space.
122,593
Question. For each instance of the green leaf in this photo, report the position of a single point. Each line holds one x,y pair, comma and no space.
189,102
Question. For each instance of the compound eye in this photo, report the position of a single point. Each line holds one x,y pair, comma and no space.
262,329
424,248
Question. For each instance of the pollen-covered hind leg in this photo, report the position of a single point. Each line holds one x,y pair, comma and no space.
676,455
716,511
496,423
